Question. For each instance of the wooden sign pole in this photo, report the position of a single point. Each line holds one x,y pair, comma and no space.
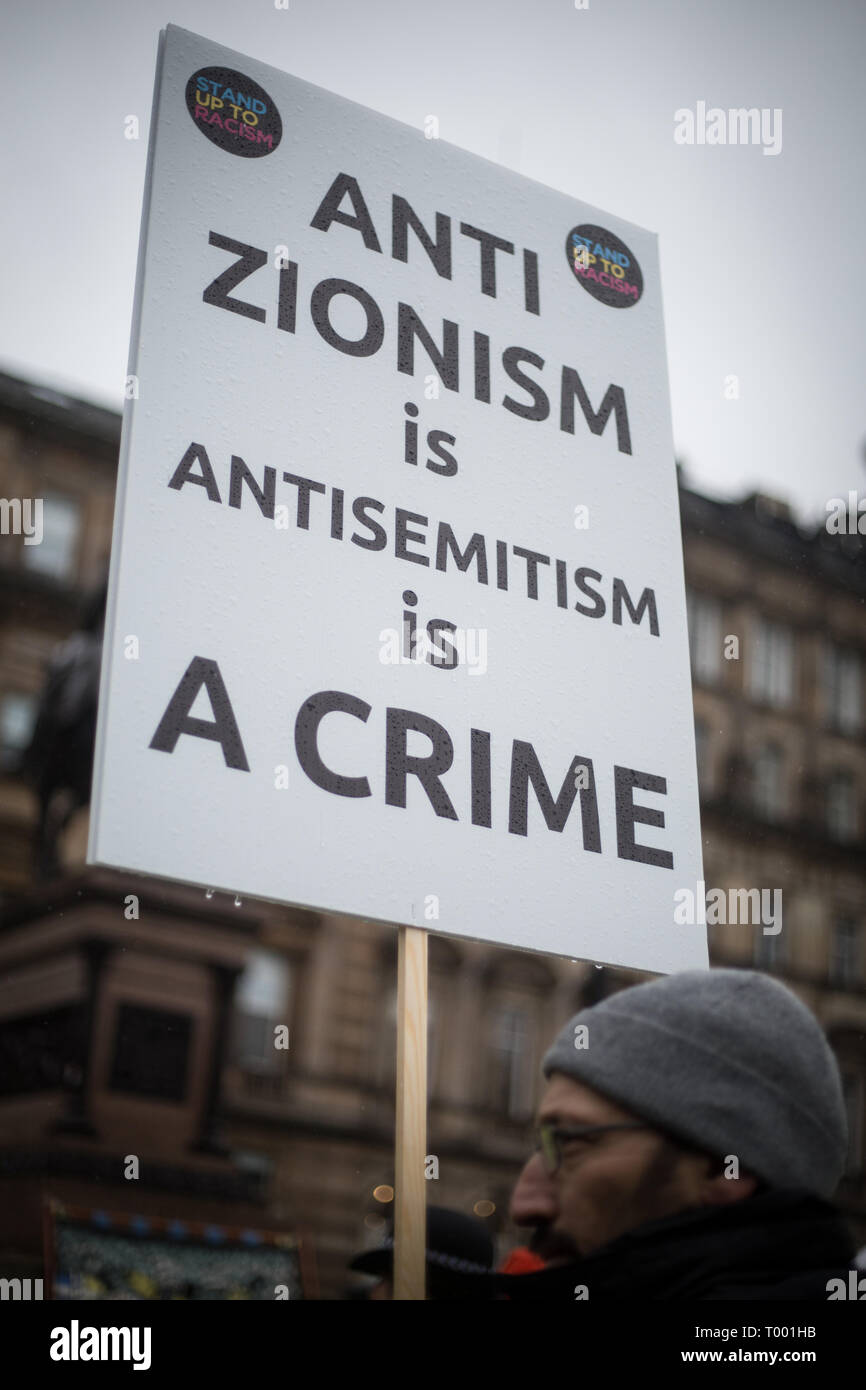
410,1198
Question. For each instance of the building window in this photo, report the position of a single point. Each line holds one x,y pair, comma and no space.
771,663
702,752
841,806
843,690
767,782
17,717
385,1061
512,1080
151,1052
705,636
261,1004
845,946
385,1066
55,554
433,1049
39,1051
852,1090
768,951
259,1167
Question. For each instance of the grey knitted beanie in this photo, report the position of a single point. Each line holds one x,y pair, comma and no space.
728,1060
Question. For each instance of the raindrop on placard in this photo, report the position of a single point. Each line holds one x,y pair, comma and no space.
237,900
209,893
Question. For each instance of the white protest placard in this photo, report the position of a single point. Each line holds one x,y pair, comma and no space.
396,621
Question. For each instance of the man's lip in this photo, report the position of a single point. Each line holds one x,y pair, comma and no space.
554,1250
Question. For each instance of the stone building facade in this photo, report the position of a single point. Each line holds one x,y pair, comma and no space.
140,1016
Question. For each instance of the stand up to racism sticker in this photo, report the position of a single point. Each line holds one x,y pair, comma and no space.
234,112
604,265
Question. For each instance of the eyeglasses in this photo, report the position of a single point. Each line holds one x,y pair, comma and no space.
551,1138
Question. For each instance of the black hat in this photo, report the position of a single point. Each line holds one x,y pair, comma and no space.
455,1242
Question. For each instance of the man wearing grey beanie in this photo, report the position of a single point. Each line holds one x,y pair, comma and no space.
690,1138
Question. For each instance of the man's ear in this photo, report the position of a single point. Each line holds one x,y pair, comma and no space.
720,1190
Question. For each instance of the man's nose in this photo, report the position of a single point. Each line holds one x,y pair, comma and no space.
534,1197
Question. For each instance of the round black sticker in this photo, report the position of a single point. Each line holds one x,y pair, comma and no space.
604,266
234,112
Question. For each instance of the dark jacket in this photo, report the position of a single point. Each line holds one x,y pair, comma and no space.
772,1245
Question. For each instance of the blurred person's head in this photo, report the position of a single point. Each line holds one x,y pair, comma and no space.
458,1258
723,1083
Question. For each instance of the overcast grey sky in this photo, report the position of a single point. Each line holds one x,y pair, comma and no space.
762,262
